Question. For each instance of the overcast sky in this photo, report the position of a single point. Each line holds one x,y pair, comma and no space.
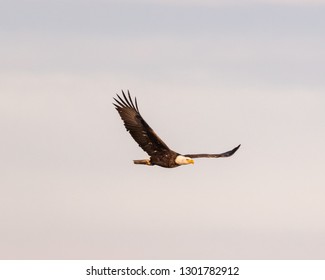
208,75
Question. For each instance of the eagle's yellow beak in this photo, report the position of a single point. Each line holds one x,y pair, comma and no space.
190,161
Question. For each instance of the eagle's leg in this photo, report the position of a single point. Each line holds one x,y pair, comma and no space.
142,161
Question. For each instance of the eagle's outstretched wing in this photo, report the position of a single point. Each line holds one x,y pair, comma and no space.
141,132
226,154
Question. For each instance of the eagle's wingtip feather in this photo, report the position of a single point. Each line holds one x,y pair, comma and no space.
235,149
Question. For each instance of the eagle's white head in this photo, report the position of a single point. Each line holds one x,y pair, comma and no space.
181,160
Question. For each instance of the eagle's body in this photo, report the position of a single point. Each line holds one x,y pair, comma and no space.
150,142
167,160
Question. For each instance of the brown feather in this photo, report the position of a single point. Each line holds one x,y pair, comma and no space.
226,154
141,132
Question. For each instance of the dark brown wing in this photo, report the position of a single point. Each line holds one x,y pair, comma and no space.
141,132
226,154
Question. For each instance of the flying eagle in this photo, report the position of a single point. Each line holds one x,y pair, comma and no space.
150,142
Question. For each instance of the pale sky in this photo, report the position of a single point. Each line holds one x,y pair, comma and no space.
208,75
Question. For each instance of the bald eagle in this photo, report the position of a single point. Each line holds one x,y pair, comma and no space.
150,142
